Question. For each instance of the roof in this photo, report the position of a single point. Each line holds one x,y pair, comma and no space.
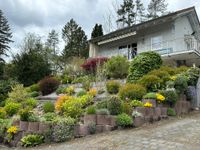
168,17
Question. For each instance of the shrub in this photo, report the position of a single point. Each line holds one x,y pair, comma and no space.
66,79
48,107
34,94
126,108
81,93
193,76
170,95
63,129
180,84
136,103
151,82
61,100
91,64
24,114
92,92
86,85
92,128
112,87
33,118
12,108
114,105
142,64
91,110
32,140
117,67
60,90
30,102
171,71
171,112
2,113
181,69
102,104
83,79
4,124
103,111
150,95
48,85
48,117
34,87
132,91
69,90
124,120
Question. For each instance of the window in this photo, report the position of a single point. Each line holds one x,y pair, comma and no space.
156,43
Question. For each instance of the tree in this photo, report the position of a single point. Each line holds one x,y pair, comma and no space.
97,31
75,40
131,12
156,8
5,35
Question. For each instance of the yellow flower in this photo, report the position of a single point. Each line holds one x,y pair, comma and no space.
148,104
160,97
12,130
173,78
69,90
92,92
61,100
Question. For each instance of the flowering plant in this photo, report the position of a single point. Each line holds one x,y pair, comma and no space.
148,104
136,114
70,90
159,97
11,131
92,92
61,100
173,78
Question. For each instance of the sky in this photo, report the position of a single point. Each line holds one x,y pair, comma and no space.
41,16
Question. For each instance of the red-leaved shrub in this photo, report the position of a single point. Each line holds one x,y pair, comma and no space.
92,63
48,85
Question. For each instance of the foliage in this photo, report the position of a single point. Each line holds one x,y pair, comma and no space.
33,117
30,64
30,102
60,90
181,69
10,133
48,107
5,36
97,31
114,105
92,92
112,87
180,84
150,95
163,75
159,97
132,91
12,108
63,129
48,117
66,79
34,94
48,85
103,111
18,93
34,87
142,64
124,120
2,113
102,104
75,40
193,76
81,93
91,64
126,108
69,90
117,67
92,128
61,100
171,112
32,140
91,110
24,114
151,82
84,78
86,85
170,95
136,103
4,124
148,104
171,71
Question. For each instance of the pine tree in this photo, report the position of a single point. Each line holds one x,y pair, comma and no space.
75,40
156,8
131,12
97,31
5,35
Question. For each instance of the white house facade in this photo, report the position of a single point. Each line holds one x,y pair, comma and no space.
176,37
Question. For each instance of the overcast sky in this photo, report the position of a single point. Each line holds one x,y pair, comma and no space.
40,16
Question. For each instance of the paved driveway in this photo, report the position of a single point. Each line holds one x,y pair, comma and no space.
172,134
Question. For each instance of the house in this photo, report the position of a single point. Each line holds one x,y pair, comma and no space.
176,37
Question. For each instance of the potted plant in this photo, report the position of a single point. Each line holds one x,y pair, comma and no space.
138,119
103,117
90,116
24,116
33,123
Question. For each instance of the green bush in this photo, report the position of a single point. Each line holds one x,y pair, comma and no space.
48,117
81,93
60,90
112,87
66,79
114,105
136,103
34,87
142,64
181,69
132,91
171,71
170,95
48,85
124,120
150,95
151,82
126,108
12,108
171,112
32,140
33,118
102,104
2,113
48,107
63,129
86,85
91,110
102,111
24,114
180,84
30,102
4,124
34,94
117,67
193,76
